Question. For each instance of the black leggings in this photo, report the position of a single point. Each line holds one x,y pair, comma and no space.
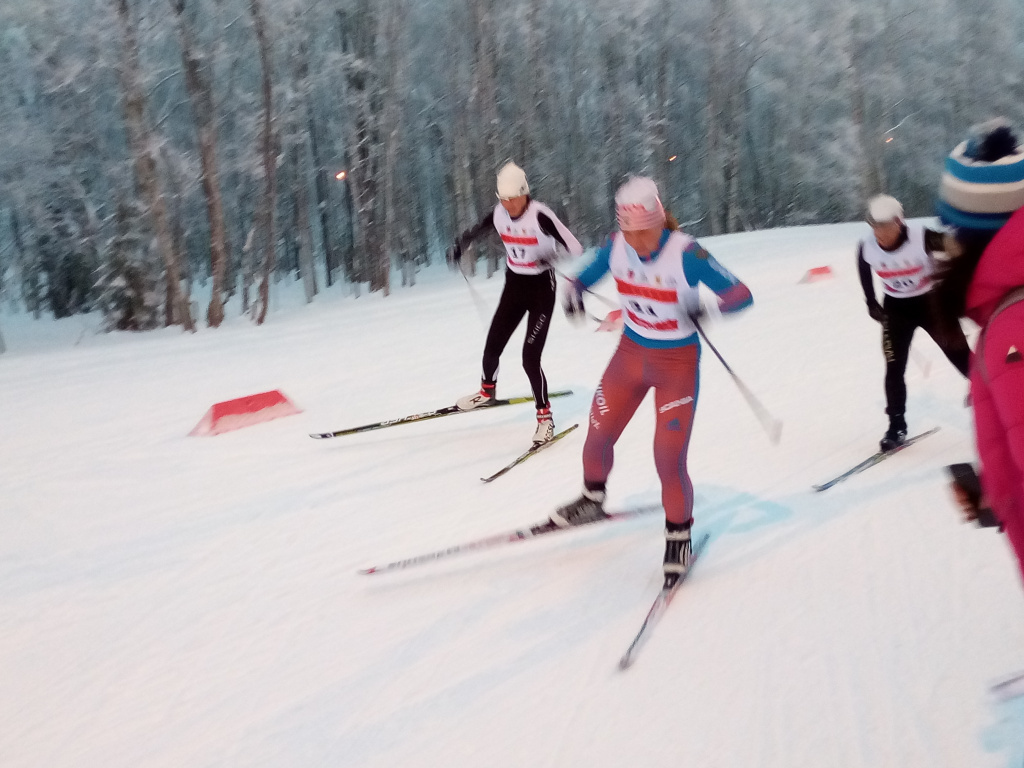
902,318
534,296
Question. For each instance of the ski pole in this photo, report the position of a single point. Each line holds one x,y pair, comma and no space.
610,302
771,425
481,307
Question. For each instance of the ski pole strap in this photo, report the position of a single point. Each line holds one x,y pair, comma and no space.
1013,297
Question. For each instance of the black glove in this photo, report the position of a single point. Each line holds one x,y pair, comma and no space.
698,312
966,486
876,312
572,303
454,255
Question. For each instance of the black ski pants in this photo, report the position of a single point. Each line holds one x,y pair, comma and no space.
902,318
533,296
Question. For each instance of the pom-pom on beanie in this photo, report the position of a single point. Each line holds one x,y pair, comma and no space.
983,181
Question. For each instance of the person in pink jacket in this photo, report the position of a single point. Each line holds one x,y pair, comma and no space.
982,201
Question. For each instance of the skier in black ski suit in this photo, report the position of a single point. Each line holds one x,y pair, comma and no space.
533,238
901,255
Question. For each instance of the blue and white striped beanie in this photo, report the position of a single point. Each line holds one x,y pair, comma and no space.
983,182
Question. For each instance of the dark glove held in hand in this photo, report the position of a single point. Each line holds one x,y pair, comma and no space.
454,255
573,305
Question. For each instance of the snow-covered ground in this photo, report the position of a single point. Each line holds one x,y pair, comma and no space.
181,602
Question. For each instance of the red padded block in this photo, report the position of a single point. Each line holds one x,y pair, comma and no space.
816,273
244,412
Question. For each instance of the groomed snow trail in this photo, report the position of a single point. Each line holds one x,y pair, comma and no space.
172,602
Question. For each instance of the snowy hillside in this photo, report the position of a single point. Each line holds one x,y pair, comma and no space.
179,602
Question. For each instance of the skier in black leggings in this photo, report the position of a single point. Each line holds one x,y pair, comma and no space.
901,255
532,236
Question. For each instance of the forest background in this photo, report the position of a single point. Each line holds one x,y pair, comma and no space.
163,157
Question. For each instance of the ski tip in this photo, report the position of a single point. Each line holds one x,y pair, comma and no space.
625,662
366,571
775,433
320,435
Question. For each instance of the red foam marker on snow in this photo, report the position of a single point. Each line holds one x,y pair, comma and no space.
244,412
816,273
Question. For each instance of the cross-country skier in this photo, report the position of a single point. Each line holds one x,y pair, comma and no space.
657,269
532,236
982,200
900,253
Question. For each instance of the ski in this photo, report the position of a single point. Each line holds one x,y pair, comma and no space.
509,537
877,458
532,451
450,410
658,608
1008,688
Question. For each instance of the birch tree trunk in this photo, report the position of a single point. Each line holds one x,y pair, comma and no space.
268,155
734,156
733,56
300,172
141,141
483,101
465,192
531,120
331,260
462,182
176,217
871,174
663,101
200,93
360,42
396,215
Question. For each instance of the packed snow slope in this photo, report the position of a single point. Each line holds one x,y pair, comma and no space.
181,602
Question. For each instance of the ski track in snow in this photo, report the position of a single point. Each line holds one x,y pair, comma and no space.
168,601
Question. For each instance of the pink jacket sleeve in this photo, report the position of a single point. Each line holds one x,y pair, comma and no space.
997,387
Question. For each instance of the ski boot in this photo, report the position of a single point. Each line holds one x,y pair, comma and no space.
678,551
545,427
895,436
481,399
588,508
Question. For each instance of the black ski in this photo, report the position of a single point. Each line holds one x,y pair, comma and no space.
451,410
871,461
509,537
660,605
532,451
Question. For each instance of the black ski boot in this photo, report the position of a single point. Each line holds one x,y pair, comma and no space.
588,508
678,551
895,436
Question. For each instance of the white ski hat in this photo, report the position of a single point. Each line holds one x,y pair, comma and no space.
884,208
638,205
512,182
